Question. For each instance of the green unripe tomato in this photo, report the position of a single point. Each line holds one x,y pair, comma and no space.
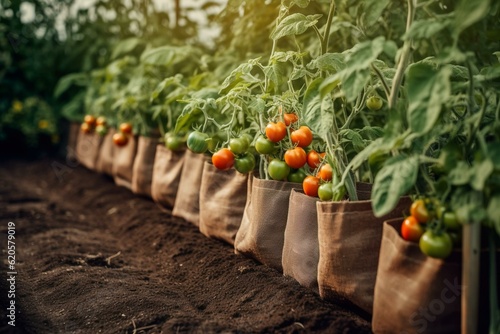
278,170
374,103
325,191
238,145
264,146
101,129
197,142
435,245
297,176
245,164
173,142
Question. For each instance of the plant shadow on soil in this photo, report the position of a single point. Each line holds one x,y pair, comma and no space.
92,257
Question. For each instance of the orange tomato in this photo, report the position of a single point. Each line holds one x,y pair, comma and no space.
325,172
290,118
276,131
223,159
295,157
302,137
311,185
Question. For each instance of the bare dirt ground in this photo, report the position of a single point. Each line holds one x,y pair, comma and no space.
92,257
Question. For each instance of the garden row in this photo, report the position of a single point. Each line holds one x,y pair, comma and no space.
350,155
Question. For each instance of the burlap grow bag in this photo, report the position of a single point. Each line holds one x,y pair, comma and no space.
187,202
262,231
166,176
87,148
300,247
415,293
124,162
142,171
73,132
105,158
223,197
349,238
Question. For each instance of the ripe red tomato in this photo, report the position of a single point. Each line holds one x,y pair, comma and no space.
325,172
126,128
276,131
120,139
314,158
295,157
90,120
419,210
223,159
311,185
411,229
86,128
290,118
302,137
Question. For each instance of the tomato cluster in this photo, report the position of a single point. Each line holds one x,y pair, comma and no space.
236,155
120,138
433,227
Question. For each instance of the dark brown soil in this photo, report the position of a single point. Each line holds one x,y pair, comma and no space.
92,257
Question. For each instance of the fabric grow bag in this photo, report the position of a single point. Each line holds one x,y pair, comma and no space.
105,158
142,170
262,230
124,162
167,170
223,197
87,148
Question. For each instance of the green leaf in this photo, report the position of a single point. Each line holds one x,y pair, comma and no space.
159,56
294,24
469,12
468,205
373,10
427,89
494,211
353,84
425,29
351,137
302,3
317,112
329,62
65,82
124,47
394,180
480,174
363,54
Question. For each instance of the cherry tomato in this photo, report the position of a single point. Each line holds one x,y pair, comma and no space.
296,157
314,158
120,139
311,185
245,164
238,145
374,103
223,159
174,142
290,118
197,142
101,120
449,218
126,128
435,245
86,128
101,129
297,176
325,191
411,229
264,145
89,119
302,137
325,172
278,169
276,131
419,210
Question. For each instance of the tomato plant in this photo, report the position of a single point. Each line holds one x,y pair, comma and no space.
275,132
295,157
197,142
411,229
310,185
223,159
302,137
278,170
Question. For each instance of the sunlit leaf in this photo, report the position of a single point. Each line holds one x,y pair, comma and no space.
294,24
